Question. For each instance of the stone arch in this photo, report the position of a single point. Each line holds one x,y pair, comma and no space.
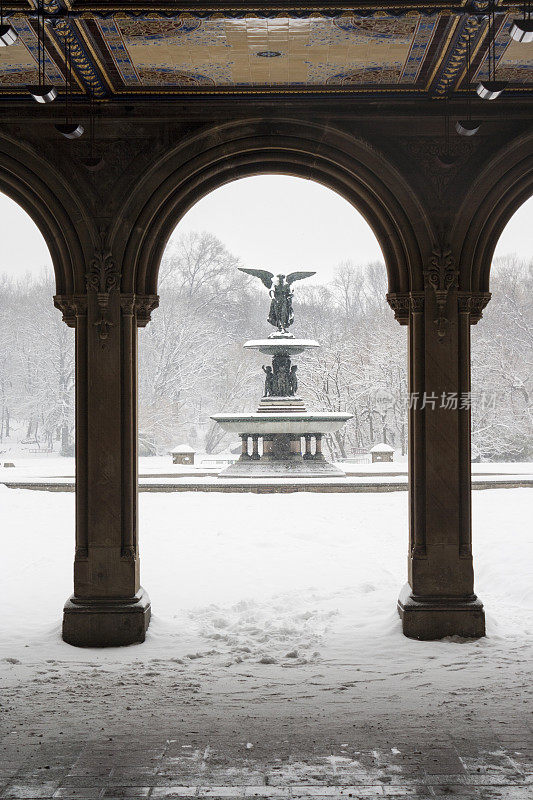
348,166
47,198
501,188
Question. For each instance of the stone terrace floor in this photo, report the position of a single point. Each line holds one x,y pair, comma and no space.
290,759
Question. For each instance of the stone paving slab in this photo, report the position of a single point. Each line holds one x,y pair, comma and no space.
426,766
109,789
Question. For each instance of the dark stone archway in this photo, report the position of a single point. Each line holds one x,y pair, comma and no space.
501,188
107,232
48,199
348,166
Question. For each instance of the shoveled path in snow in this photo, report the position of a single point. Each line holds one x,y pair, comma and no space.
275,663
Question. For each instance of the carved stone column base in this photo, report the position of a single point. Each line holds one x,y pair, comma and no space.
435,617
106,624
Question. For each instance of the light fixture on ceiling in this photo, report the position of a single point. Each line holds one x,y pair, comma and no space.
490,88
8,34
42,92
467,127
68,129
522,29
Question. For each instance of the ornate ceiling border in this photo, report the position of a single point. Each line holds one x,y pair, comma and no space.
262,9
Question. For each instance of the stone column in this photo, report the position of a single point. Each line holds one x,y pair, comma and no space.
296,447
108,607
307,450
439,598
244,447
268,447
318,448
255,447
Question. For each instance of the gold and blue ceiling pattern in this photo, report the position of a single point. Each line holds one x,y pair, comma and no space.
155,54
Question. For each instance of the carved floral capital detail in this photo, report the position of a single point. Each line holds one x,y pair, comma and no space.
417,302
399,302
72,307
404,302
473,303
102,278
144,305
441,276
127,304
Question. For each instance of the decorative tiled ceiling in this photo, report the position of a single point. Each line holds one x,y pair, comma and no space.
124,53
260,52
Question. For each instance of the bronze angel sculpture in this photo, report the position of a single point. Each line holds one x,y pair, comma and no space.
281,315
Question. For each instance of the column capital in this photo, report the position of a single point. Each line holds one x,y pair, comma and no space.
473,303
71,306
75,305
402,303
144,305
127,304
399,302
418,300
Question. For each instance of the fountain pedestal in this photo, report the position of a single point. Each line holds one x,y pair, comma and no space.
291,436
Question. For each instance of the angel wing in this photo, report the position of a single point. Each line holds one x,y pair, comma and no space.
264,276
298,276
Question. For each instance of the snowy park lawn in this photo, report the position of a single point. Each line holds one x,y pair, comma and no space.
35,466
294,579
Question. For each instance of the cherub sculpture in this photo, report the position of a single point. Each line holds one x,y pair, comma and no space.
270,388
293,380
281,315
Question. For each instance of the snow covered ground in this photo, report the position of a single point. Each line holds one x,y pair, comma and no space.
284,579
160,469
274,626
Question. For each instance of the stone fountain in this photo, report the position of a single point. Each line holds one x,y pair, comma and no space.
281,438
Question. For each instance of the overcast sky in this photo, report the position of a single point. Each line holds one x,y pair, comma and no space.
269,221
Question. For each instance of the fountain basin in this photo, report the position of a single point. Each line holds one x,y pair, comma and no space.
297,424
290,347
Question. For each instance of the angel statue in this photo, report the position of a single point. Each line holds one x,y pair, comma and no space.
281,315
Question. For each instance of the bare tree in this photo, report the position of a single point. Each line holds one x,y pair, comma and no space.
192,363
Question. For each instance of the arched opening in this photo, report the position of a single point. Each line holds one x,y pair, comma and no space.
36,430
236,150
44,408
502,349
192,364
281,221
502,435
